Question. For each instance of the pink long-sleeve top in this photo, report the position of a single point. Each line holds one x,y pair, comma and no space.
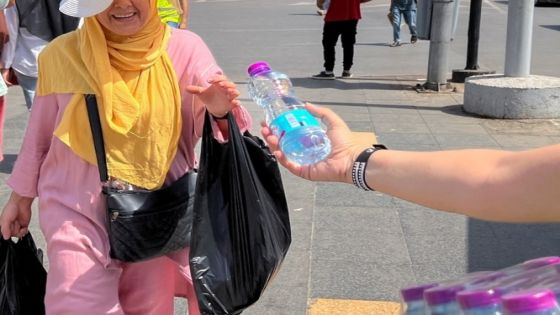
47,168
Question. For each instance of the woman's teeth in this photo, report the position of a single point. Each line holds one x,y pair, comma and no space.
123,16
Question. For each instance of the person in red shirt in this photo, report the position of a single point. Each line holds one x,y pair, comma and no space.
341,20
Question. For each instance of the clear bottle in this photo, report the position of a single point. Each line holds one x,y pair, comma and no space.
532,264
413,299
302,139
480,302
552,283
441,300
530,302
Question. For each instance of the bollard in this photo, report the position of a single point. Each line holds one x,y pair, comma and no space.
440,40
519,38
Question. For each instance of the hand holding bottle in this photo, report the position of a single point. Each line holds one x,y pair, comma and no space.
346,145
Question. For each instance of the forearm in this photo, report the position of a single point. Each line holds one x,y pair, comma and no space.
185,8
185,12
486,184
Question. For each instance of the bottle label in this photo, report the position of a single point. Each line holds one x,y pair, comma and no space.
292,120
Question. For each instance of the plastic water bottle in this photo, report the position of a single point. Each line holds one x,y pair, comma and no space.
532,264
480,302
530,302
413,299
302,139
442,300
552,283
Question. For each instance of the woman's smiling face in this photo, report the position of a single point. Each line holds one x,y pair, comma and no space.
126,17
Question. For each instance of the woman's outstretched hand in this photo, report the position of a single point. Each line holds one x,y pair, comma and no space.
346,146
220,97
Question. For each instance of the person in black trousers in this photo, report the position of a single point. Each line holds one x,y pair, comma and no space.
341,20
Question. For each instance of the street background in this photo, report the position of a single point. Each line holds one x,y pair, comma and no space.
353,250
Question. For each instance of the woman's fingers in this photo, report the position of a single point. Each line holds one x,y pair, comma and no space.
195,89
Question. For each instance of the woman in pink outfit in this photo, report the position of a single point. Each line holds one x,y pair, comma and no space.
153,87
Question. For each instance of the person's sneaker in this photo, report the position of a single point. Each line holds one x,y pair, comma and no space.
413,39
323,75
395,44
346,74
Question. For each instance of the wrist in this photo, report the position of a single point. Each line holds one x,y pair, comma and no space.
19,199
360,166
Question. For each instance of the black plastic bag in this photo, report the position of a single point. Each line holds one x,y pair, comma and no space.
241,229
23,278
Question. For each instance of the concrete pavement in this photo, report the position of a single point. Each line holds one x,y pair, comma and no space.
353,250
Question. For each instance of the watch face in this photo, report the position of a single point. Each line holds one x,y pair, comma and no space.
4,4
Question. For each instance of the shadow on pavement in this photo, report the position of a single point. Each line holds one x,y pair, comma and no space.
493,246
552,27
374,44
347,84
7,164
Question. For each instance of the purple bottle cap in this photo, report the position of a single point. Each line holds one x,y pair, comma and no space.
477,298
416,293
543,261
532,300
442,294
258,67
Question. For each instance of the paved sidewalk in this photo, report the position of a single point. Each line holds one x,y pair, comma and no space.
353,250
353,245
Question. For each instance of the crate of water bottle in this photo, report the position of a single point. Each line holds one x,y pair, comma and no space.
528,288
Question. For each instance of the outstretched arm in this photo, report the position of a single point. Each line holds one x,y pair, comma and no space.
486,184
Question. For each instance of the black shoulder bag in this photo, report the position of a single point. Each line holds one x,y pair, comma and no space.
143,224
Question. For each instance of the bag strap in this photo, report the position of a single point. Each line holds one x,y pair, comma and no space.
97,135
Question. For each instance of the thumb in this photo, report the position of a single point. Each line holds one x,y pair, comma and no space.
195,89
327,116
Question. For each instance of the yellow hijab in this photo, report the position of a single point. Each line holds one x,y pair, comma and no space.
137,93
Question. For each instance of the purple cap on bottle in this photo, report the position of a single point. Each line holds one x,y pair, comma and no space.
258,67
442,294
543,261
416,293
532,300
477,298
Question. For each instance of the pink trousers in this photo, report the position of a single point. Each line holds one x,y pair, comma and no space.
82,280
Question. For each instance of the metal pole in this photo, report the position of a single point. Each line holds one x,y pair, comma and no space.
440,39
474,35
519,38
472,68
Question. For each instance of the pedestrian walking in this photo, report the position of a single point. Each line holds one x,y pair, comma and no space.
32,24
153,86
341,20
406,9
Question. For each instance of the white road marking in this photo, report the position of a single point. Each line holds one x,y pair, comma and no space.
495,7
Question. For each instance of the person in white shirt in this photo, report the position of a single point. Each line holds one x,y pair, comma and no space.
31,26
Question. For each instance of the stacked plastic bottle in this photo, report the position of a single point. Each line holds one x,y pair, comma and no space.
531,302
302,139
413,298
528,288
